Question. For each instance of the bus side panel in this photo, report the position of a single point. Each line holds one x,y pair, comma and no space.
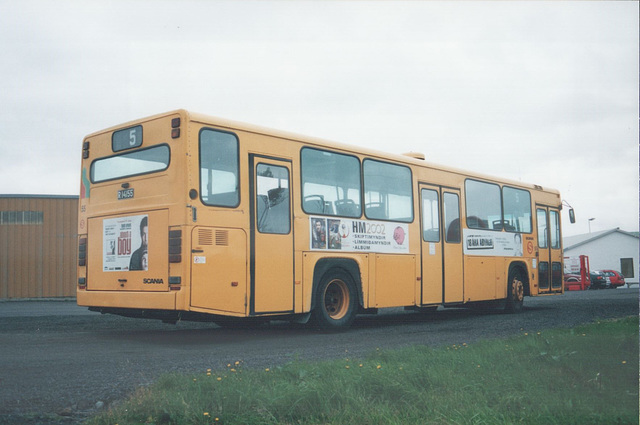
219,269
480,277
395,280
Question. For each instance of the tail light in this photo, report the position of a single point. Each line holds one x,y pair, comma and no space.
175,256
82,261
175,246
82,252
174,283
175,128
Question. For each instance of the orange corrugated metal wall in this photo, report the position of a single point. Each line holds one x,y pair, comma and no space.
39,260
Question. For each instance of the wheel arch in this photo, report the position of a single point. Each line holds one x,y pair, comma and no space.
348,265
521,266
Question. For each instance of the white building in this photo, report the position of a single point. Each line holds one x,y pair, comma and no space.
612,249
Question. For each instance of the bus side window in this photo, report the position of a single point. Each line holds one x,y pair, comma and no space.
516,204
330,183
219,184
430,216
484,205
542,229
451,217
388,191
272,210
554,217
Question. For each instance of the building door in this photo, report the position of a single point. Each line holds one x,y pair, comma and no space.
271,264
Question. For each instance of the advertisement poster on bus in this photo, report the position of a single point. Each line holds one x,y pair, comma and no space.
489,243
125,242
341,234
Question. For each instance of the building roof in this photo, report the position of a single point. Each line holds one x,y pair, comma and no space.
39,196
571,242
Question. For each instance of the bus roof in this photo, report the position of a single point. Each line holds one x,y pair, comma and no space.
318,142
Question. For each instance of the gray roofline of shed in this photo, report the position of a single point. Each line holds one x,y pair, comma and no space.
40,196
600,235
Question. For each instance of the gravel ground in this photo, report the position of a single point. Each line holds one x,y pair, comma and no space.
61,363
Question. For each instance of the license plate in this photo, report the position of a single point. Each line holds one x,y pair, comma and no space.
125,194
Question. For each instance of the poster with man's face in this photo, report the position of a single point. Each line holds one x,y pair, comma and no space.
126,242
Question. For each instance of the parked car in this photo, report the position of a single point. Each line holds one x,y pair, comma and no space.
599,280
615,278
571,277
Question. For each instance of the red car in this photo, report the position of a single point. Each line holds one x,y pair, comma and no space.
615,277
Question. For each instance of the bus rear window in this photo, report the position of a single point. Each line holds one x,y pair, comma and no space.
129,164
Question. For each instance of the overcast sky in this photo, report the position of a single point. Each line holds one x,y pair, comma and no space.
540,92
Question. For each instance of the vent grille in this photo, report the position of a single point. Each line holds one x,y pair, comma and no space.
205,237
222,237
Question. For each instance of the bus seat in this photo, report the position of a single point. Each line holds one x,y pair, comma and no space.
477,223
347,207
453,231
276,218
376,210
328,208
314,204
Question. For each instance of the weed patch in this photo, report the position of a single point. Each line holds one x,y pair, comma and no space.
584,375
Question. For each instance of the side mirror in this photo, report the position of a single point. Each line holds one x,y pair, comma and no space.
572,216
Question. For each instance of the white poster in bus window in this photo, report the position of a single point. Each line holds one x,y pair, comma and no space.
341,234
125,242
487,243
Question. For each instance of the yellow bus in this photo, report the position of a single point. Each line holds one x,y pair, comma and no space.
184,216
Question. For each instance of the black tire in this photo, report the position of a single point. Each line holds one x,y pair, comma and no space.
515,292
336,301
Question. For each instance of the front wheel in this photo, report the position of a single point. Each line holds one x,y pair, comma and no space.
515,292
335,302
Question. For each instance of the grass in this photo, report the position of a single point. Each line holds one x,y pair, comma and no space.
584,375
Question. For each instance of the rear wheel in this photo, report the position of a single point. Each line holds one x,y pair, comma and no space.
515,292
336,301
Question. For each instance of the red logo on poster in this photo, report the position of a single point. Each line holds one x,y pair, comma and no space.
530,247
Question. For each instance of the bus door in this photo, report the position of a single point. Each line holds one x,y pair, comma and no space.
442,277
549,249
271,264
